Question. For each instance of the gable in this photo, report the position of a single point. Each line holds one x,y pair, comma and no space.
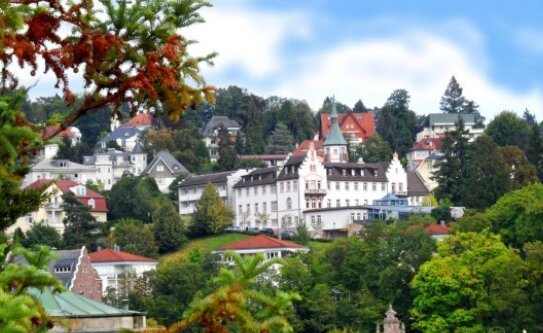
360,123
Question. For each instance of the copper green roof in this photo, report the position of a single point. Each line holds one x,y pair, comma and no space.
335,137
71,305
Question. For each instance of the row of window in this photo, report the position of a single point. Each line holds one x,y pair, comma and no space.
193,190
273,207
354,172
355,186
356,202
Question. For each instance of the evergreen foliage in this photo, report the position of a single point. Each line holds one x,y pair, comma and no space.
508,129
454,102
133,197
396,123
42,234
280,141
81,227
133,236
168,228
212,215
227,151
373,150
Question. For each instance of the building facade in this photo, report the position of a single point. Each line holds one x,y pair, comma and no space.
164,169
111,265
51,211
436,125
211,133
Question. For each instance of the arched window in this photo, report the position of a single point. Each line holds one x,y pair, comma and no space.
289,203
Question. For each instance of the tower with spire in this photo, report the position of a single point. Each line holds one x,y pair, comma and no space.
335,145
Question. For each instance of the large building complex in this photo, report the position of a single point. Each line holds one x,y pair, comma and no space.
279,197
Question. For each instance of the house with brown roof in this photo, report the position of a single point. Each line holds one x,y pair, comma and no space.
268,246
50,150
141,121
356,126
112,265
51,211
437,231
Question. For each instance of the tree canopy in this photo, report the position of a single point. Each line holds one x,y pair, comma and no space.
212,214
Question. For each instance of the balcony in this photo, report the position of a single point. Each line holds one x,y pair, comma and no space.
315,191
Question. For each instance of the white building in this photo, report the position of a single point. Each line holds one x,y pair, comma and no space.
192,187
50,150
111,264
60,169
110,164
164,169
124,137
211,133
436,125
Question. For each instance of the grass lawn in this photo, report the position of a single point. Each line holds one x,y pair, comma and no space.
204,245
211,243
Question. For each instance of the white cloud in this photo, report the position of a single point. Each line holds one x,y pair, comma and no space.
417,61
530,40
246,39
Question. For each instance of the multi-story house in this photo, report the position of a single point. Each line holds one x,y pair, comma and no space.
51,211
164,169
112,264
436,125
110,164
421,150
124,137
65,169
211,133
356,126
192,187
50,150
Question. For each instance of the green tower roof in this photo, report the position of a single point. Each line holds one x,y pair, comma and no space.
335,137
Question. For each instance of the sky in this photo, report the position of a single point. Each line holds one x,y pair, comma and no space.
366,49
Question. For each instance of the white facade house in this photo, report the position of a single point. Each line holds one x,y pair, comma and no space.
192,187
164,169
60,169
50,150
436,125
124,137
111,264
211,133
110,164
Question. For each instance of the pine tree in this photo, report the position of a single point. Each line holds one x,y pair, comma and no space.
280,141
359,107
168,227
212,215
227,151
453,101
451,169
81,227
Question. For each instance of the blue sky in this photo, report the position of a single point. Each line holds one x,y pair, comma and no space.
366,49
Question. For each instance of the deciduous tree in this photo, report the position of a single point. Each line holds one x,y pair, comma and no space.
212,215
168,228
133,236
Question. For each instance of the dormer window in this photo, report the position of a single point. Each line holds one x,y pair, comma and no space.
352,172
329,172
376,173
361,172
92,204
344,172
159,168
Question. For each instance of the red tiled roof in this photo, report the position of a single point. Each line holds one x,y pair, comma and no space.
52,128
365,125
110,255
264,156
303,147
428,144
436,229
260,242
142,119
100,204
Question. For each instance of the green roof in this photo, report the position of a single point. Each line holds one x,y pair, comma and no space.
334,137
71,305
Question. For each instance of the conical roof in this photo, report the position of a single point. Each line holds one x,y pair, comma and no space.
335,137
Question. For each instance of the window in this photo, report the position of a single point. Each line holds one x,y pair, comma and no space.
273,188
274,222
289,203
307,184
319,204
313,204
256,207
240,209
247,191
264,207
352,172
282,187
295,185
239,192
376,173
248,208
400,187
274,206
374,186
288,186
365,186
344,172
338,203
29,219
159,168
365,202
312,218
337,186
356,202
264,189
318,184
347,202
393,187
358,216
307,204
313,168
328,185
362,172
255,190
352,217
329,203
319,218
329,172
383,186
346,186
91,203
356,186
